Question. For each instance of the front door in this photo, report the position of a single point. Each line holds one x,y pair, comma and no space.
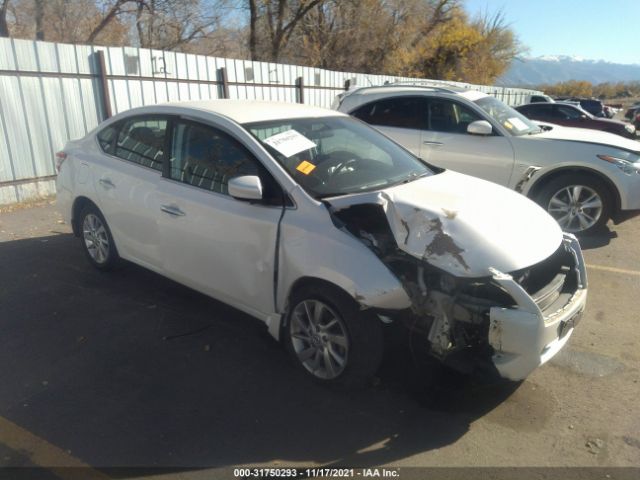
210,241
446,143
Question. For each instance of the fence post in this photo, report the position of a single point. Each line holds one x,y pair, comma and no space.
104,85
300,89
347,84
223,83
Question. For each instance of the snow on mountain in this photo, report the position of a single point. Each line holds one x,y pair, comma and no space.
560,68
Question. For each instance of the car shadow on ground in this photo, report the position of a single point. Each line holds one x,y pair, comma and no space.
600,238
129,369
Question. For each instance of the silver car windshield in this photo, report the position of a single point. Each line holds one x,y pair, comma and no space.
331,156
516,123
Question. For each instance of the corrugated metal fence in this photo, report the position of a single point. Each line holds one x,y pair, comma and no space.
51,92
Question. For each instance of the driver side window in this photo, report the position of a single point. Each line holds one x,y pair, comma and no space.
450,117
206,158
567,113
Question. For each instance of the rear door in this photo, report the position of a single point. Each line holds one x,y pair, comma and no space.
401,118
542,112
126,180
446,143
209,240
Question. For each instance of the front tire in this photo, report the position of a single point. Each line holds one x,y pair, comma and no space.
580,203
330,339
97,241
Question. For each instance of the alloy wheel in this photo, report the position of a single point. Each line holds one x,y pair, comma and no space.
319,339
576,207
96,238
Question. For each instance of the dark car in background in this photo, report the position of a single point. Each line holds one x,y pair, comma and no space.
633,114
592,105
573,116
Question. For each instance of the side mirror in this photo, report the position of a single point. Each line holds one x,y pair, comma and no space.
247,187
480,127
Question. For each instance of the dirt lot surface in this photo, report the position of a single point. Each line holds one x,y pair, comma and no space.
129,369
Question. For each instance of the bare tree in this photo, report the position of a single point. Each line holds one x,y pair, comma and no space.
279,19
253,21
174,24
4,27
113,10
39,18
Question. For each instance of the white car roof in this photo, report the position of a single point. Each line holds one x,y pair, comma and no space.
249,111
400,89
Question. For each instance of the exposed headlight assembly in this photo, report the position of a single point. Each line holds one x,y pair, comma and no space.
625,165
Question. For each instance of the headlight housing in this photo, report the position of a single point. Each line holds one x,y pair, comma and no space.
625,165
630,128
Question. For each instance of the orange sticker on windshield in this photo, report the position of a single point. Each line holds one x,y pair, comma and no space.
305,167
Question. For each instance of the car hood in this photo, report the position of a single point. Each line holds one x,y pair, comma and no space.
586,135
463,225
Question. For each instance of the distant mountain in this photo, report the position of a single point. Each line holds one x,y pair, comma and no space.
560,68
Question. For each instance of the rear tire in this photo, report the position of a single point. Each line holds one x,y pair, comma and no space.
97,241
580,203
331,339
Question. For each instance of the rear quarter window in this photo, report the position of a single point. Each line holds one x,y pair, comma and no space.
107,136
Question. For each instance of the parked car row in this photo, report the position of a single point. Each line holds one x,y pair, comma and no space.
592,105
331,232
569,115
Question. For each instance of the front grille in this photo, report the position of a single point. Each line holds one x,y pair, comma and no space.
550,282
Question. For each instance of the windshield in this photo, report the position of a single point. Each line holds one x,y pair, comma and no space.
331,156
516,123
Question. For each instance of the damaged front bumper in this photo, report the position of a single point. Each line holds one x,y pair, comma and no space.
530,333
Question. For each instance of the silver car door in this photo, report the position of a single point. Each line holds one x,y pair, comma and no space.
399,117
446,143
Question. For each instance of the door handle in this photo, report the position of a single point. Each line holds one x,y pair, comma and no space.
107,183
433,144
172,210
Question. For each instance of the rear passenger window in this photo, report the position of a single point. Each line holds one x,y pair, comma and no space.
402,112
141,140
207,158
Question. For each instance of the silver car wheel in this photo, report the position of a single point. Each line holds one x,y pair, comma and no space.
319,339
576,207
95,238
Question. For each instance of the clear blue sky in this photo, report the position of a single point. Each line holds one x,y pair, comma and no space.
594,29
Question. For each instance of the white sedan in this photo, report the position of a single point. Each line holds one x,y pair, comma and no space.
328,232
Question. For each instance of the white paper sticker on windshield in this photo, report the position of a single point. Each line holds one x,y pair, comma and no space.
289,143
517,123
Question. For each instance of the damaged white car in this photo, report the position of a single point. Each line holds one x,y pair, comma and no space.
328,232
